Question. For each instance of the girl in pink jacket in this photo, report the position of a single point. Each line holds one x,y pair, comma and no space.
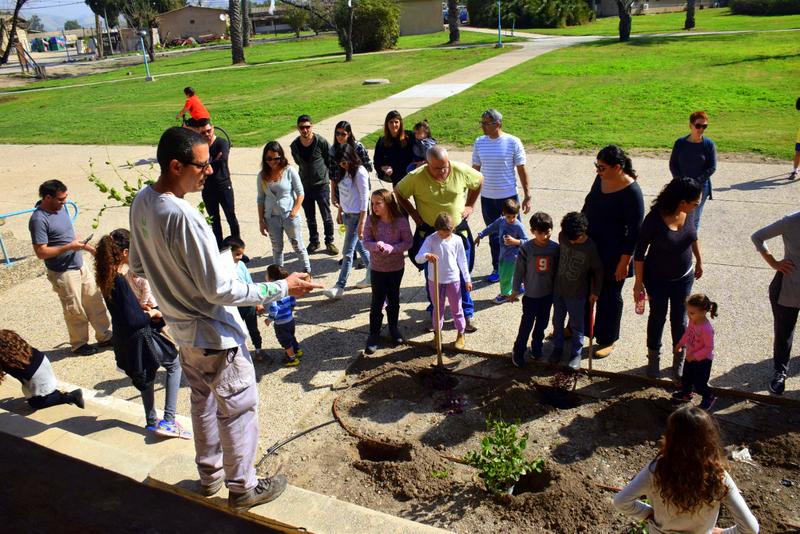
699,343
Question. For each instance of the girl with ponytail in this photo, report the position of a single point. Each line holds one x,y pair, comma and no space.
139,346
615,209
699,343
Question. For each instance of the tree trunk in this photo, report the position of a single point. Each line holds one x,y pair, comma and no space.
453,21
99,34
623,8
235,14
148,42
246,23
348,53
689,15
12,35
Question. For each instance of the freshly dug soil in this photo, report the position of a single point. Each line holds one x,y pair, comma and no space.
404,425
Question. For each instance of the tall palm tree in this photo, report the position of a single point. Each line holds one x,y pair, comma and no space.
235,15
246,23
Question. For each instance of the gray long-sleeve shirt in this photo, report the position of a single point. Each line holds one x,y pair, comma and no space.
789,229
197,287
667,520
536,267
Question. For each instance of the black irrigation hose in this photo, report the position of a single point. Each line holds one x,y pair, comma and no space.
278,444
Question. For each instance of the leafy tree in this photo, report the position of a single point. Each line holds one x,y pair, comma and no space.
296,18
35,24
107,8
72,25
235,15
375,24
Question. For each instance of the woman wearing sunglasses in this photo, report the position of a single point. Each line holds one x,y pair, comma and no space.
695,156
280,197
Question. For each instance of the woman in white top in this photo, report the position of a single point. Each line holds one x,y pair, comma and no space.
687,482
280,197
353,203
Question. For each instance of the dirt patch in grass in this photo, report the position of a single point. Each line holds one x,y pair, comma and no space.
607,434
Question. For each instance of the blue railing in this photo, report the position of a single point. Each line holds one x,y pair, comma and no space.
4,216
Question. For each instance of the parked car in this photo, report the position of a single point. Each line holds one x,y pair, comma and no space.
463,17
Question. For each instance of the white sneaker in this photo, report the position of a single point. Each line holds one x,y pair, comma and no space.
364,283
334,293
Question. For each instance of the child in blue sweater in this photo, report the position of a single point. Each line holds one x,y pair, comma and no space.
511,234
249,314
280,314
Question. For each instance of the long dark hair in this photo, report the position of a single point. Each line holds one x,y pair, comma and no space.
671,195
109,258
614,155
14,352
350,156
690,466
344,125
401,133
272,146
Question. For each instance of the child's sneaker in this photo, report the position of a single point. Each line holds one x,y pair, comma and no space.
778,383
292,361
151,427
299,353
372,346
363,284
708,402
172,429
679,397
500,299
518,359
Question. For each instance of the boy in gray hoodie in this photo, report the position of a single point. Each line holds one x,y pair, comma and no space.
536,266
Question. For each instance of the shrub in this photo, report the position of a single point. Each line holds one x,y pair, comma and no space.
376,24
296,18
765,7
530,13
500,460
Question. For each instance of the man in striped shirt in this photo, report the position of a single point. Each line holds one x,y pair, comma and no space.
496,154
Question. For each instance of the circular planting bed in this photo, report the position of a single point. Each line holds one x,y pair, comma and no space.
405,428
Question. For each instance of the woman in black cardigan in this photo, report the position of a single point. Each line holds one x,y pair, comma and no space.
615,208
394,151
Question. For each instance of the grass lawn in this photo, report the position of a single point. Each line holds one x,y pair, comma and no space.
640,95
706,20
254,105
324,45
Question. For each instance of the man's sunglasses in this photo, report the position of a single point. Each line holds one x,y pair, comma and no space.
701,126
201,166
304,127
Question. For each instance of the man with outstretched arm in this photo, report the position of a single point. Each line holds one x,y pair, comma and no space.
198,291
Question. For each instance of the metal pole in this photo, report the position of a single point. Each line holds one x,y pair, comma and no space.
147,78
66,46
499,35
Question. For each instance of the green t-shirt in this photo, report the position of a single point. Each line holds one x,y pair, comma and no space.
432,197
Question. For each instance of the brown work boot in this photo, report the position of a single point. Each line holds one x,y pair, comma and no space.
268,489
460,341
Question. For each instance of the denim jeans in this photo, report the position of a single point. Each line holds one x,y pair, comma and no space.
318,196
706,193
609,311
286,336
491,209
351,243
576,308
277,226
535,315
661,294
173,384
784,320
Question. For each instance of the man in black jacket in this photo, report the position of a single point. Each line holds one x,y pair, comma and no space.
311,153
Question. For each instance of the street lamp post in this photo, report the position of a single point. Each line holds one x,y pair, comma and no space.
147,77
499,34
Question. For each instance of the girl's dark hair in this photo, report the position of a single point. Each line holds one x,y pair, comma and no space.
541,222
424,126
272,146
671,195
702,302
344,125
574,224
614,155
188,91
401,134
109,258
14,351
444,221
276,272
690,466
391,206
350,156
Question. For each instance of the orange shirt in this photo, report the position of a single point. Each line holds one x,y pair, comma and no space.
196,108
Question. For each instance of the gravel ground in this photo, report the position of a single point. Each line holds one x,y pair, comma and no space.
747,196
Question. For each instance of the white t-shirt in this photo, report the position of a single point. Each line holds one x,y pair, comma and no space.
498,159
354,193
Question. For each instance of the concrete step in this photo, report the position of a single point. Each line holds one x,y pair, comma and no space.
109,433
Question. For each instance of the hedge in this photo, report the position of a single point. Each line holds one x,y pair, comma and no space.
530,13
376,24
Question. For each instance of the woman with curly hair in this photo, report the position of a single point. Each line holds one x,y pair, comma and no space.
32,368
139,346
687,482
